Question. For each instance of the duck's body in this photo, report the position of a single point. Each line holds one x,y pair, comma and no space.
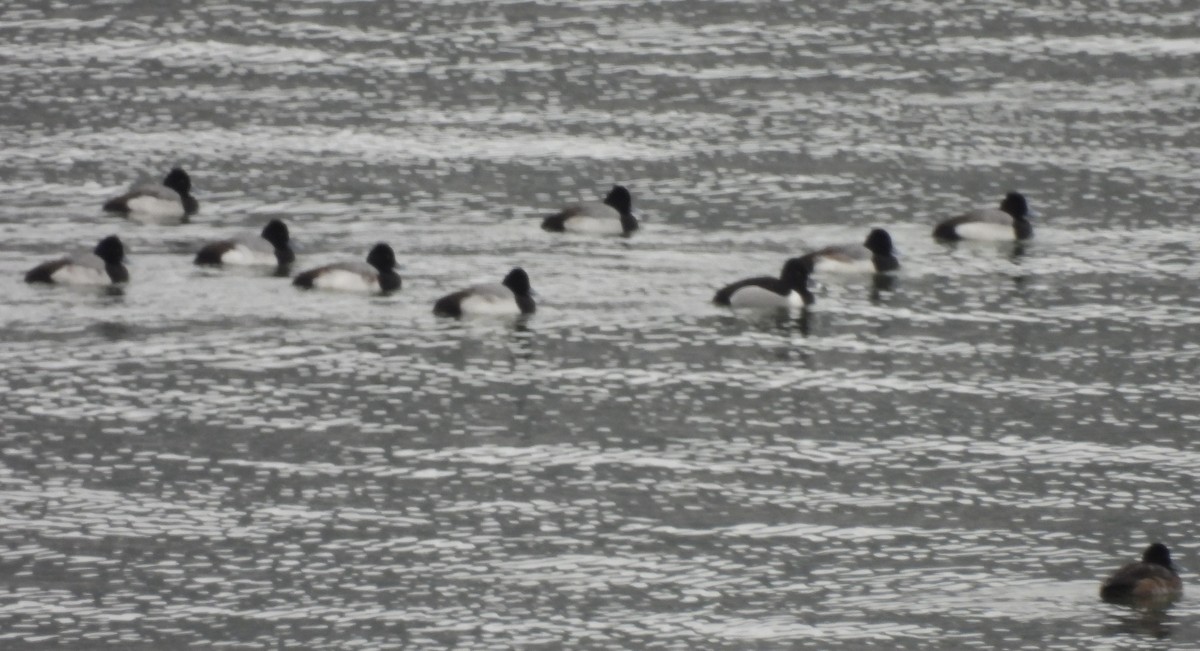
1152,578
103,266
377,276
170,201
613,216
1008,222
788,291
875,255
508,298
271,248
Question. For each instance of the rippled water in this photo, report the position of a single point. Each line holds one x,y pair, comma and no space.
951,458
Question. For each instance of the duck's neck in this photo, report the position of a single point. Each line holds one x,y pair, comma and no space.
629,223
116,272
284,255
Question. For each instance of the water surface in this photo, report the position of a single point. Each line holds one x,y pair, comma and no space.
949,458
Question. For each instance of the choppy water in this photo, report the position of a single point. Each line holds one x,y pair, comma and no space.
952,459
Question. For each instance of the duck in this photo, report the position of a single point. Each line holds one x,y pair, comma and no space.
103,266
377,276
876,254
510,297
272,247
1152,578
613,216
170,201
788,291
1009,222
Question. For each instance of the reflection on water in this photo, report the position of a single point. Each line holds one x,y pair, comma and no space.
781,322
949,456
113,330
1154,623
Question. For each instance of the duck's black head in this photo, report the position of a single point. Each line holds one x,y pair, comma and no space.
382,258
1158,554
620,199
518,281
179,181
1014,204
795,273
879,242
276,232
110,250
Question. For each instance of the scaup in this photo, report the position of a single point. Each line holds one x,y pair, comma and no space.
1152,578
789,290
271,247
510,297
613,216
169,201
875,255
377,276
103,266
1010,221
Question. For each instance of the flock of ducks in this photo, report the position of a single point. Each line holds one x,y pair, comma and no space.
172,200
1154,578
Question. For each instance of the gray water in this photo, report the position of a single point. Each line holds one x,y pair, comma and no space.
952,458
